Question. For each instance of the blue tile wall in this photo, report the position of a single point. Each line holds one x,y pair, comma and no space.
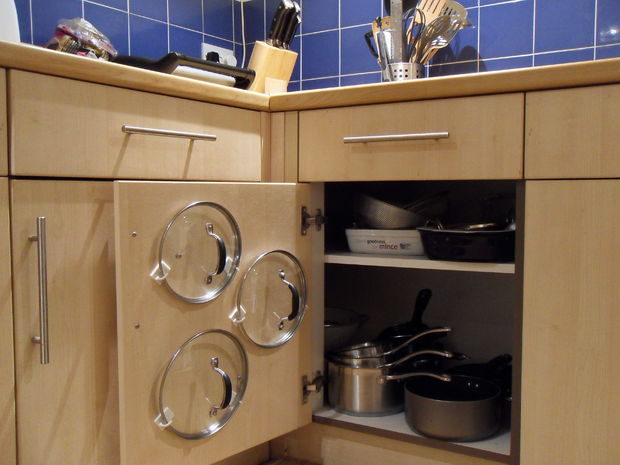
505,34
149,28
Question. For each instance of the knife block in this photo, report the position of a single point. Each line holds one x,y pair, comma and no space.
273,67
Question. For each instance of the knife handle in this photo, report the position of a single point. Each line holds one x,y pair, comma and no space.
291,26
278,22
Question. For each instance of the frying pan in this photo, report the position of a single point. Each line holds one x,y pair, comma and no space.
415,325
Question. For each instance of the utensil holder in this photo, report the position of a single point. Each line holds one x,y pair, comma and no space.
406,71
273,67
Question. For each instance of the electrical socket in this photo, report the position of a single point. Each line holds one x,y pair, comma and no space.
227,56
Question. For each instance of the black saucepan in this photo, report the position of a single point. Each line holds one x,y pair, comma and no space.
464,409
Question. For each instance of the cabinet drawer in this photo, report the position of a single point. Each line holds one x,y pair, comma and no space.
573,133
4,164
62,127
484,140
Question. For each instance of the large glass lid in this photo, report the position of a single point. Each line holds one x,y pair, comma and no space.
203,384
271,299
199,252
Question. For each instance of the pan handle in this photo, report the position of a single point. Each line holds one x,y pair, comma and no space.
439,353
385,378
416,337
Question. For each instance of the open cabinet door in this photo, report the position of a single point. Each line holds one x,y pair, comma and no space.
220,229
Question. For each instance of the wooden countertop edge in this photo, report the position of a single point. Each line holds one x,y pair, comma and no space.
525,79
31,58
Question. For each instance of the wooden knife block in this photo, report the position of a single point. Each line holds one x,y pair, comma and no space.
273,67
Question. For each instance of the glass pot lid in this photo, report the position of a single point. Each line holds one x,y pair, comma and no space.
272,299
202,385
199,252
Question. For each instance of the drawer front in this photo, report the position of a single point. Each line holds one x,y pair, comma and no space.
482,139
4,164
573,133
62,127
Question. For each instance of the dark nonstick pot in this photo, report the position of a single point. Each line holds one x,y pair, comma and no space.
465,409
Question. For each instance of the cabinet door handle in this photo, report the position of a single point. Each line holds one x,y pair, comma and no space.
396,137
167,133
43,338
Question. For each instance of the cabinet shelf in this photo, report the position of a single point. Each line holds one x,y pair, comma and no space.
416,262
395,427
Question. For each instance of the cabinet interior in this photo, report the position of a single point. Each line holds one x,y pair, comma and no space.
479,304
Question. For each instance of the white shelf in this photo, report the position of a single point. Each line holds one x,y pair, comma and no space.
416,262
496,447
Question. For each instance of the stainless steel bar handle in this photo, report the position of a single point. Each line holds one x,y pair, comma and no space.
396,137
43,338
167,133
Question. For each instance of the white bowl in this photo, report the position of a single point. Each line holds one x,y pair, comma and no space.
385,241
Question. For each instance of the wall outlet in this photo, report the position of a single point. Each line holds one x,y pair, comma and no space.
227,56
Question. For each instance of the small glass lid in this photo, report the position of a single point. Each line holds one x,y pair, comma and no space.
203,384
271,299
199,252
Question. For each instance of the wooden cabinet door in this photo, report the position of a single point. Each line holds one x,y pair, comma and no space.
7,380
4,164
68,409
570,401
153,323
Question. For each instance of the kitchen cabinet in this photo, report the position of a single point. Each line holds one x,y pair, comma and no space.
68,408
75,129
4,167
152,322
570,376
573,133
460,138
7,380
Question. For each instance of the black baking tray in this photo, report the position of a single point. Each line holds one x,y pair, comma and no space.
169,62
454,244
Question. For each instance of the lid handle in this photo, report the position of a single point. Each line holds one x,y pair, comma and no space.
295,296
215,362
221,251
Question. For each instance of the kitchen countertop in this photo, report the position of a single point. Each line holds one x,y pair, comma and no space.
37,59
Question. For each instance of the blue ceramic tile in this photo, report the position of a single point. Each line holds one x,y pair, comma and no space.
356,57
320,55
218,18
254,14
357,79
295,47
120,4
469,3
156,9
571,26
505,29
319,83
294,86
186,13
491,2
354,12
148,38
568,56
184,41
452,69
23,17
506,63
610,51
608,31
112,23
46,15
464,46
319,15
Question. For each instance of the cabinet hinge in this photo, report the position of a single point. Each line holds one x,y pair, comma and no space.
308,220
311,386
